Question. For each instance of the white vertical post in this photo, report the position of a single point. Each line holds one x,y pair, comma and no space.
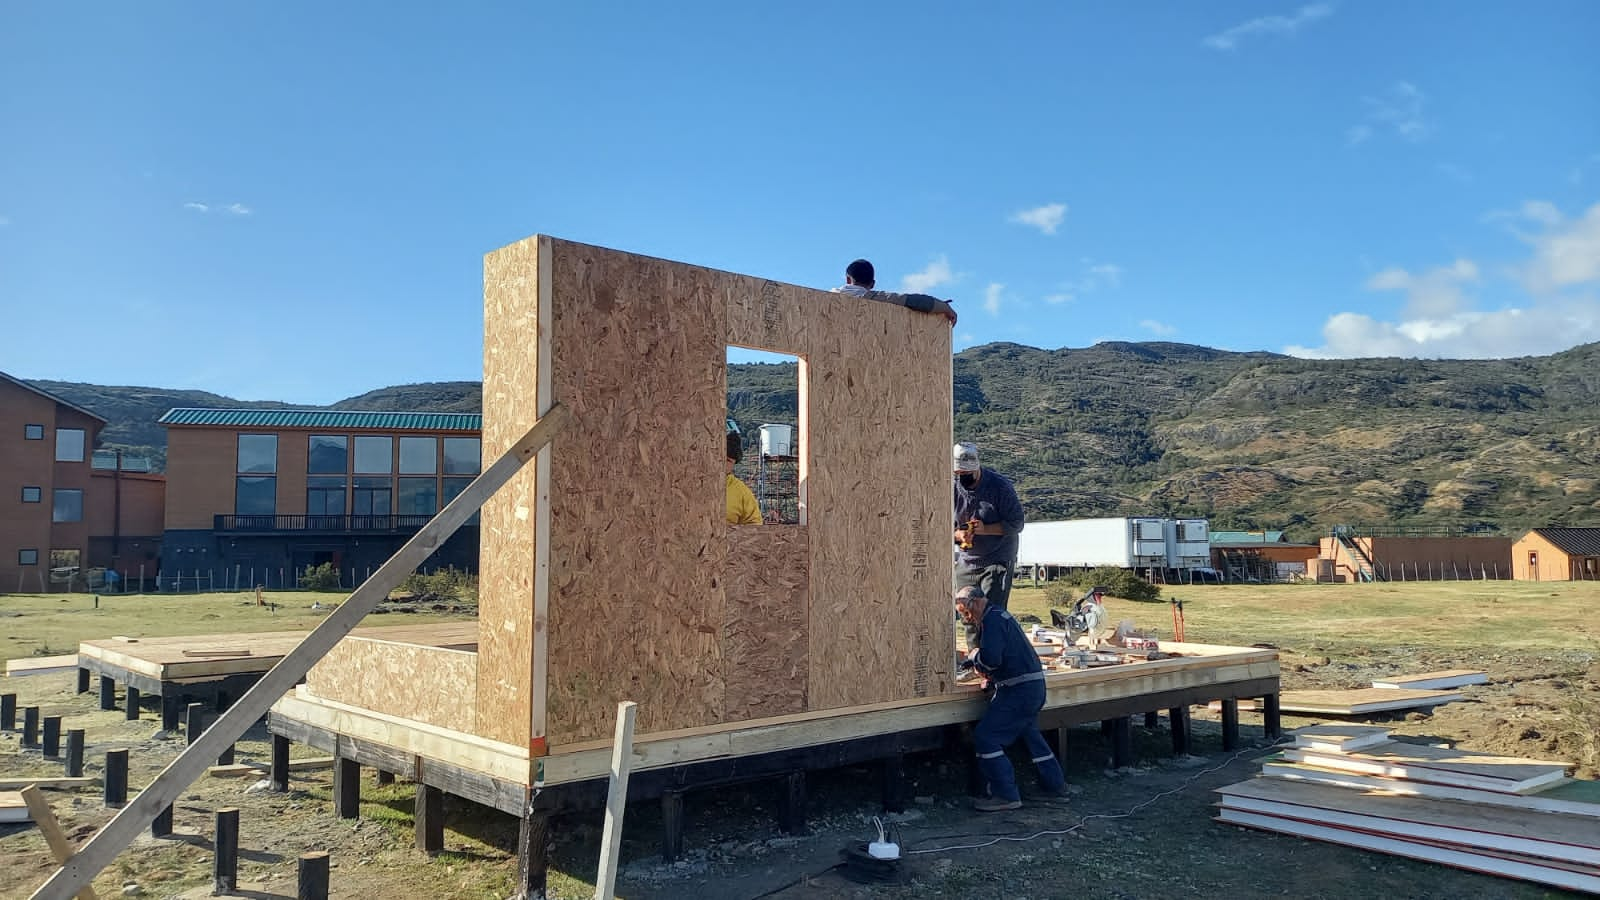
605,883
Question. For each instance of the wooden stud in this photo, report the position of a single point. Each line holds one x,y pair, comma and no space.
75,753
52,736
346,788
533,855
108,693
83,680
1179,717
43,817
133,699
1271,717
1230,724
161,826
30,727
225,865
118,833
792,804
171,711
8,712
894,783
605,884
279,777
116,784
671,825
429,816
1121,742
312,880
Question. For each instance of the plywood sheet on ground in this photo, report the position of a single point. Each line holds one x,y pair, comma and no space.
1571,796
1339,738
1360,701
1441,765
765,632
1434,681
12,808
41,665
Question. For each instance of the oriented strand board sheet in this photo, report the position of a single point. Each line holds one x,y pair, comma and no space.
1498,864
1556,836
435,685
1339,738
1360,701
1435,681
198,655
1579,798
625,595
765,632
1440,765
12,809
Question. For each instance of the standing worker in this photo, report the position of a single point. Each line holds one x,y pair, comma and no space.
742,506
988,518
1011,668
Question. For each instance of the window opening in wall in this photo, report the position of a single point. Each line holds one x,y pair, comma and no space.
451,488
255,495
32,494
69,445
33,433
27,557
67,506
371,496
418,497
764,406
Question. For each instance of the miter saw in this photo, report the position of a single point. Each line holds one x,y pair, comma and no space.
1088,617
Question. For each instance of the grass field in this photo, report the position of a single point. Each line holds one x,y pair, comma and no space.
54,624
1490,616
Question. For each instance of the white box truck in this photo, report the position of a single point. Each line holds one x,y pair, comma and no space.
1047,548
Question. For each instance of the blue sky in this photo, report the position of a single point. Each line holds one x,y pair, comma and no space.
291,200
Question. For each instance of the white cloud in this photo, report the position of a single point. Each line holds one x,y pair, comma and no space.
992,297
1046,218
1269,25
233,209
1436,292
1398,110
1560,309
933,275
1567,254
1106,273
197,207
1095,276
238,209
1154,327
1057,299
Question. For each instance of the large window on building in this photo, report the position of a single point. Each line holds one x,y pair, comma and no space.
255,495
462,456
69,445
419,455
32,494
418,497
33,432
371,496
27,557
324,496
451,489
328,454
68,505
374,455
258,454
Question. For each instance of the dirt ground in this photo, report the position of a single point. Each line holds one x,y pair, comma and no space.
1141,832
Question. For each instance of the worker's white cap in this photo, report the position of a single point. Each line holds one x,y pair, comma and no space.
964,457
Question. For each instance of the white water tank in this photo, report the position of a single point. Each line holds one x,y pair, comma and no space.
777,440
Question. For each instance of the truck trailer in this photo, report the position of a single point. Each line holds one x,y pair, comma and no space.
1142,543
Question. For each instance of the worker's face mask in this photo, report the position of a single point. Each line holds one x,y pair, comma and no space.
967,480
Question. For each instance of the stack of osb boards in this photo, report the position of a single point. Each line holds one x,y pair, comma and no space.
1353,785
608,572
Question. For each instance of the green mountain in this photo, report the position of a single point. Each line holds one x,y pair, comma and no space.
1251,440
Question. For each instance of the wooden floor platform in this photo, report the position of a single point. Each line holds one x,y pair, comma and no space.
668,764
218,668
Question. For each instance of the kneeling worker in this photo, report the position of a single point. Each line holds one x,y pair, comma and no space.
1011,667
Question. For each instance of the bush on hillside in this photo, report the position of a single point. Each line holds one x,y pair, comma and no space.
1122,583
320,578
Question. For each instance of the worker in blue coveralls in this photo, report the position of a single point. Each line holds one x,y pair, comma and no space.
1013,675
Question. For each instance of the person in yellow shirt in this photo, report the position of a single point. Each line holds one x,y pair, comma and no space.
742,506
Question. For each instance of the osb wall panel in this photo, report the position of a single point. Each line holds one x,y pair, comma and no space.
636,527
507,538
766,627
429,684
875,395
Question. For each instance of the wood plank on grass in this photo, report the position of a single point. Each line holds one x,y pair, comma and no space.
1487,864
1434,681
1573,839
41,665
1440,765
1361,701
1579,798
49,781
13,808
1339,737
